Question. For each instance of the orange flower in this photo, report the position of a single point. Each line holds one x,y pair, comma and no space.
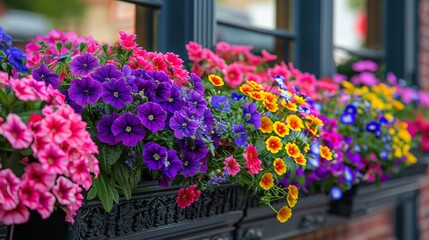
267,181
291,201
216,80
284,214
289,105
301,160
272,107
273,144
280,129
270,98
293,191
314,120
255,85
325,152
266,125
279,166
245,89
257,95
294,123
300,100
292,150
313,129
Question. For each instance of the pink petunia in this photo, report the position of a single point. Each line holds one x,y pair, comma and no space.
55,96
29,195
65,191
78,132
53,159
195,51
18,215
231,166
22,91
268,57
127,41
55,128
46,204
4,80
173,60
16,132
9,189
71,210
38,177
365,65
253,163
233,75
185,197
79,173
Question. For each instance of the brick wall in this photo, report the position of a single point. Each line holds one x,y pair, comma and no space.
424,44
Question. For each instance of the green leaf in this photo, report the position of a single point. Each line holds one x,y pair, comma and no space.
92,193
104,192
110,154
121,174
115,195
3,97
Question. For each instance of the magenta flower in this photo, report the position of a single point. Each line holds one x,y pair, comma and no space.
84,64
365,65
29,195
18,215
79,173
53,159
104,129
16,132
55,128
117,93
38,177
152,116
9,188
127,40
65,191
46,204
85,91
154,156
128,129
107,72
231,166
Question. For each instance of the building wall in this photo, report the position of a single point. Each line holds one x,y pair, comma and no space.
424,44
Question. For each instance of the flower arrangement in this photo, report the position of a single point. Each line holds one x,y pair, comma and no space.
47,156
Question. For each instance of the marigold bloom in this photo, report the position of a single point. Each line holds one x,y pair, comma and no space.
280,129
257,95
294,123
245,89
301,160
267,181
284,214
272,107
270,98
266,125
289,105
293,191
292,150
325,152
279,166
274,144
255,85
216,80
291,200
313,129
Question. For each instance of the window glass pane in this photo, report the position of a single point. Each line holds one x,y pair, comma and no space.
101,19
269,14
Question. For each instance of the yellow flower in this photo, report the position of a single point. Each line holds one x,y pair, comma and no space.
291,201
245,89
404,135
301,160
274,144
280,129
267,181
325,152
398,105
279,166
292,150
392,131
314,120
257,95
270,98
294,123
300,100
306,147
216,80
313,129
255,85
411,159
348,86
272,107
289,105
284,214
293,191
266,125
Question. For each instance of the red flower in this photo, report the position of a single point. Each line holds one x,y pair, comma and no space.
186,197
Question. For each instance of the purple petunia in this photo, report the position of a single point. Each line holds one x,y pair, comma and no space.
208,120
240,135
76,107
104,129
128,129
85,91
182,125
161,93
237,97
84,64
220,103
107,72
196,103
196,150
128,74
190,166
172,165
154,156
198,84
116,93
157,77
143,87
174,102
152,116
251,115
42,73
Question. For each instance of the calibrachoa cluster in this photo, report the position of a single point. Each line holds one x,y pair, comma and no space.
47,154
